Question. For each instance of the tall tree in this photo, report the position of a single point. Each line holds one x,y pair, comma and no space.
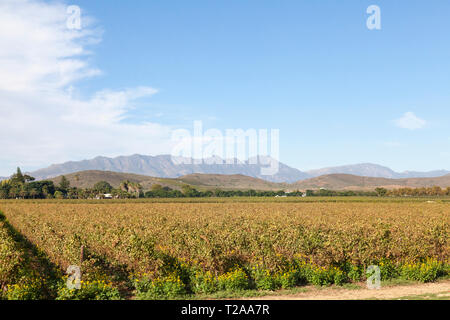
34,193
28,178
103,187
18,177
64,184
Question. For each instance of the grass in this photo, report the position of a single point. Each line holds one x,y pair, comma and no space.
223,295
428,296
398,282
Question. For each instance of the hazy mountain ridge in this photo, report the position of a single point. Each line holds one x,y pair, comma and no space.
352,182
162,166
375,171
429,174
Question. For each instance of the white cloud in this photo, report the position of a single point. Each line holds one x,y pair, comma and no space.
42,121
410,121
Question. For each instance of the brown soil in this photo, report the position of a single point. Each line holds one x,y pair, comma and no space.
441,289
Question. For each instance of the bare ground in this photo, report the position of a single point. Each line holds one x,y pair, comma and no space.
439,289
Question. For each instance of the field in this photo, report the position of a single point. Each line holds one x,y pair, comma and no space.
163,248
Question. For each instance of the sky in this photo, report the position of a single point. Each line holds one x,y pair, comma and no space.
338,92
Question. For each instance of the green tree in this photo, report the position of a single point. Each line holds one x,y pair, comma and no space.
156,187
59,195
189,191
23,193
28,178
14,192
103,187
381,192
131,187
4,191
34,193
64,184
45,191
18,177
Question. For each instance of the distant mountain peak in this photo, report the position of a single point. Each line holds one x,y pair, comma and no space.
166,166
375,171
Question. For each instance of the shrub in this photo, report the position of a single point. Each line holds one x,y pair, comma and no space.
264,279
388,270
288,279
426,271
234,280
29,290
159,288
90,290
321,276
355,272
339,276
204,283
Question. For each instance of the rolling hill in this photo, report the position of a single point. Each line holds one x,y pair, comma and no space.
236,181
86,179
376,171
352,182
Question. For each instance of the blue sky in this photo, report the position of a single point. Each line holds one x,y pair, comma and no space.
312,69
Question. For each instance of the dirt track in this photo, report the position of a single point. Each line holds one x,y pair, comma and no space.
442,289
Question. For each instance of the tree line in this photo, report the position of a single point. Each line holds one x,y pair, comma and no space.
383,192
159,191
23,186
345,193
20,186
435,191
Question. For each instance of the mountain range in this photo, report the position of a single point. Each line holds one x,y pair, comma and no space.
164,167
376,171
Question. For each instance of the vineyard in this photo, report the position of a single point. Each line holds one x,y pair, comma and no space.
162,249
